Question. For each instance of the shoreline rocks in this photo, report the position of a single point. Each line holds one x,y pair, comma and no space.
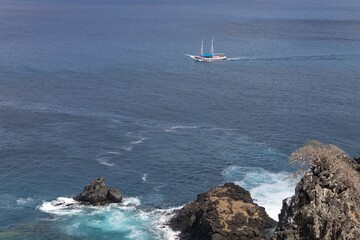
98,194
226,212
326,204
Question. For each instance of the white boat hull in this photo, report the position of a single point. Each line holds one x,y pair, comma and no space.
207,59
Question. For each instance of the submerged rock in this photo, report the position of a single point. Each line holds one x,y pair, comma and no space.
97,193
326,204
226,212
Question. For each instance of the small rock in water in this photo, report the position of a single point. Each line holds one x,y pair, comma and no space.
97,193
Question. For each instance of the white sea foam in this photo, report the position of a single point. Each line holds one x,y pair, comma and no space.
61,206
24,201
268,189
144,177
170,130
131,201
127,148
115,121
184,127
158,188
72,228
205,128
105,162
239,58
163,216
125,219
68,206
174,128
141,140
113,152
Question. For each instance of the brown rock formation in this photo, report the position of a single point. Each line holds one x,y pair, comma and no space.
326,204
225,212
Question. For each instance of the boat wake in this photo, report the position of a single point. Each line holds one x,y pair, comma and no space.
238,58
297,57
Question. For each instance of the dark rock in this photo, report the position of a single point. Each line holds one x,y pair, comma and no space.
356,163
226,212
114,195
97,193
326,204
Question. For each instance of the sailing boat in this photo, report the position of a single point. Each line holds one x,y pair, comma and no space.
207,57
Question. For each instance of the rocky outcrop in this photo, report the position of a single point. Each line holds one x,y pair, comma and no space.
326,204
356,164
226,212
97,193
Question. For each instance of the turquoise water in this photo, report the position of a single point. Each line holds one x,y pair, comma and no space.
103,88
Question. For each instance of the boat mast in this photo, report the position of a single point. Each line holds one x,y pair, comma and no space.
212,47
202,47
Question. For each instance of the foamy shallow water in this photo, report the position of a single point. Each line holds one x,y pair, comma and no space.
146,216
126,219
267,189
131,221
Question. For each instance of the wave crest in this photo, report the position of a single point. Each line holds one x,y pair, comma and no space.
268,189
125,219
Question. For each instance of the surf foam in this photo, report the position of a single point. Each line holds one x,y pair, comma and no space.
268,189
105,162
113,152
124,220
61,206
161,225
24,201
141,140
144,177
127,148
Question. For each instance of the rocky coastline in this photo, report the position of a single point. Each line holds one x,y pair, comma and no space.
326,205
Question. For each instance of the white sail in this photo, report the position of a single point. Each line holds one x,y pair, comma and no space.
202,47
212,46
207,57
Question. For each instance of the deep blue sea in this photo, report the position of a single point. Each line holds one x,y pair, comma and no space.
94,88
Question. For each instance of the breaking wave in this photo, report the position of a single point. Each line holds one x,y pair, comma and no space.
141,140
125,220
128,149
24,201
268,189
113,152
104,162
144,177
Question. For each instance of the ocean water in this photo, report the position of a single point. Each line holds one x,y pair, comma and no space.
102,88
